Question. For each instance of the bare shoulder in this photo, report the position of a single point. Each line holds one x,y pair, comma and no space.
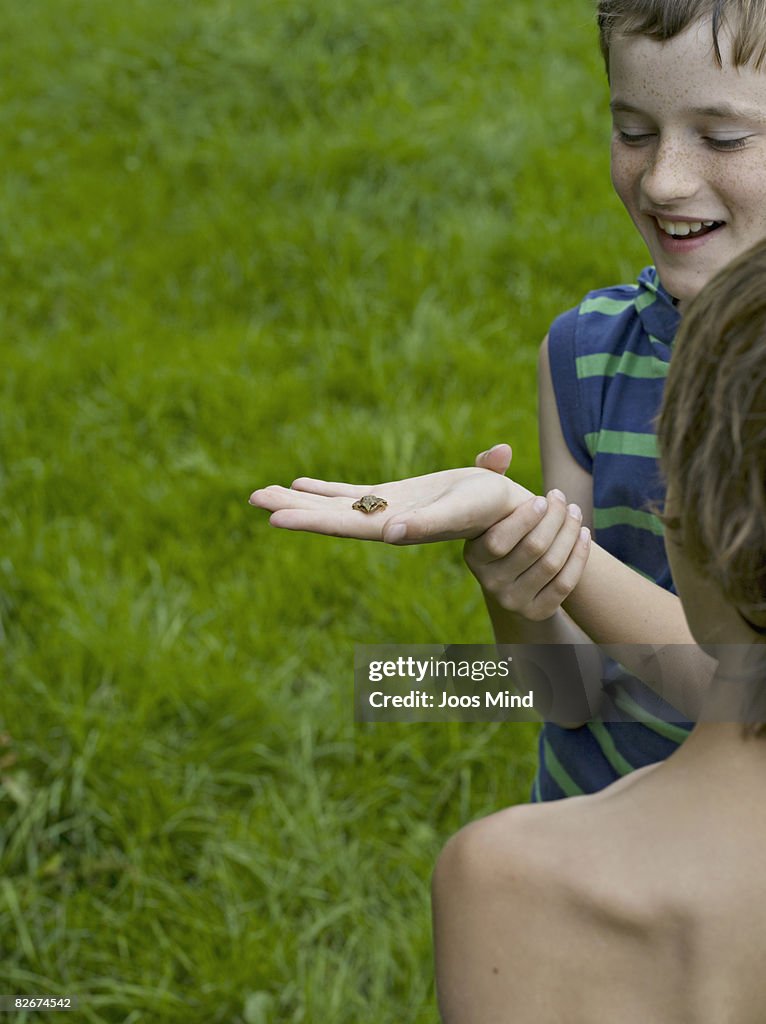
506,908
573,855
529,846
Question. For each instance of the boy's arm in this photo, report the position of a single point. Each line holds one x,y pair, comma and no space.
642,626
612,604
559,469
639,623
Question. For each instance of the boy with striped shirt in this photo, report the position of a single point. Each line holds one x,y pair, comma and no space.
688,100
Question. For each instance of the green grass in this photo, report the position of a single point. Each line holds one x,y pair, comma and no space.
242,243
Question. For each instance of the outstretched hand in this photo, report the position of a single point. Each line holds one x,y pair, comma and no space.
449,505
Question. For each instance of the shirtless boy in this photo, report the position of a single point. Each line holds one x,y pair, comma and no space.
645,902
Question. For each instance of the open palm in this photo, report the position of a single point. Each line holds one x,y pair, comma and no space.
448,505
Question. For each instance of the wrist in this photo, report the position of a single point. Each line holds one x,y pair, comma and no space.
517,495
502,617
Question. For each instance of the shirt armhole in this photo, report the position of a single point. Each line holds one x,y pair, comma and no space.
563,360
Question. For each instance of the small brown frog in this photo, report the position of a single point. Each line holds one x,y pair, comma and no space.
370,503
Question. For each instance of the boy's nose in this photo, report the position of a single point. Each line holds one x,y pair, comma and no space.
670,176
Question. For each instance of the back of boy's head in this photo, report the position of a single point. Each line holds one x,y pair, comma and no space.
712,433
664,19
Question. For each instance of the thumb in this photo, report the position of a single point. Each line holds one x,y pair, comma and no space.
497,459
442,520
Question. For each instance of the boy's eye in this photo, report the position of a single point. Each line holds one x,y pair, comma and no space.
727,145
634,138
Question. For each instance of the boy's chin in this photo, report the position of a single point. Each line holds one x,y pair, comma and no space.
680,289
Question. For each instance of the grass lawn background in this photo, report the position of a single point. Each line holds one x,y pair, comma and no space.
244,242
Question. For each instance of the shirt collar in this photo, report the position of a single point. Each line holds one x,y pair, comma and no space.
656,309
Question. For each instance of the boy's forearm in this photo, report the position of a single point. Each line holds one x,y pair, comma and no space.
642,626
510,628
577,696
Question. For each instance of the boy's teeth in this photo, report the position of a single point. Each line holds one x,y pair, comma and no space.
682,229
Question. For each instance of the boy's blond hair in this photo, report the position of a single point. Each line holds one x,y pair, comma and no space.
664,19
712,432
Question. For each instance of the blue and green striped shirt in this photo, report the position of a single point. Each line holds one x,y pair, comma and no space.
609,360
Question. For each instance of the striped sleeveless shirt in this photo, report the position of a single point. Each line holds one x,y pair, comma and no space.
609,361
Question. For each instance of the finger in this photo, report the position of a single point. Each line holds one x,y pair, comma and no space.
500,539
318,513
537,543
554,557
521,590
561,586
330,488
497,459
275,497
351,524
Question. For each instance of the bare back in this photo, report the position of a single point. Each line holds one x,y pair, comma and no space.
645,902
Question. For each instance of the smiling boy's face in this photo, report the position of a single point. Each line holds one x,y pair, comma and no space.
688,152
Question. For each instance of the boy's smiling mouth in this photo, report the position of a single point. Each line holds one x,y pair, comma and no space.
687,229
